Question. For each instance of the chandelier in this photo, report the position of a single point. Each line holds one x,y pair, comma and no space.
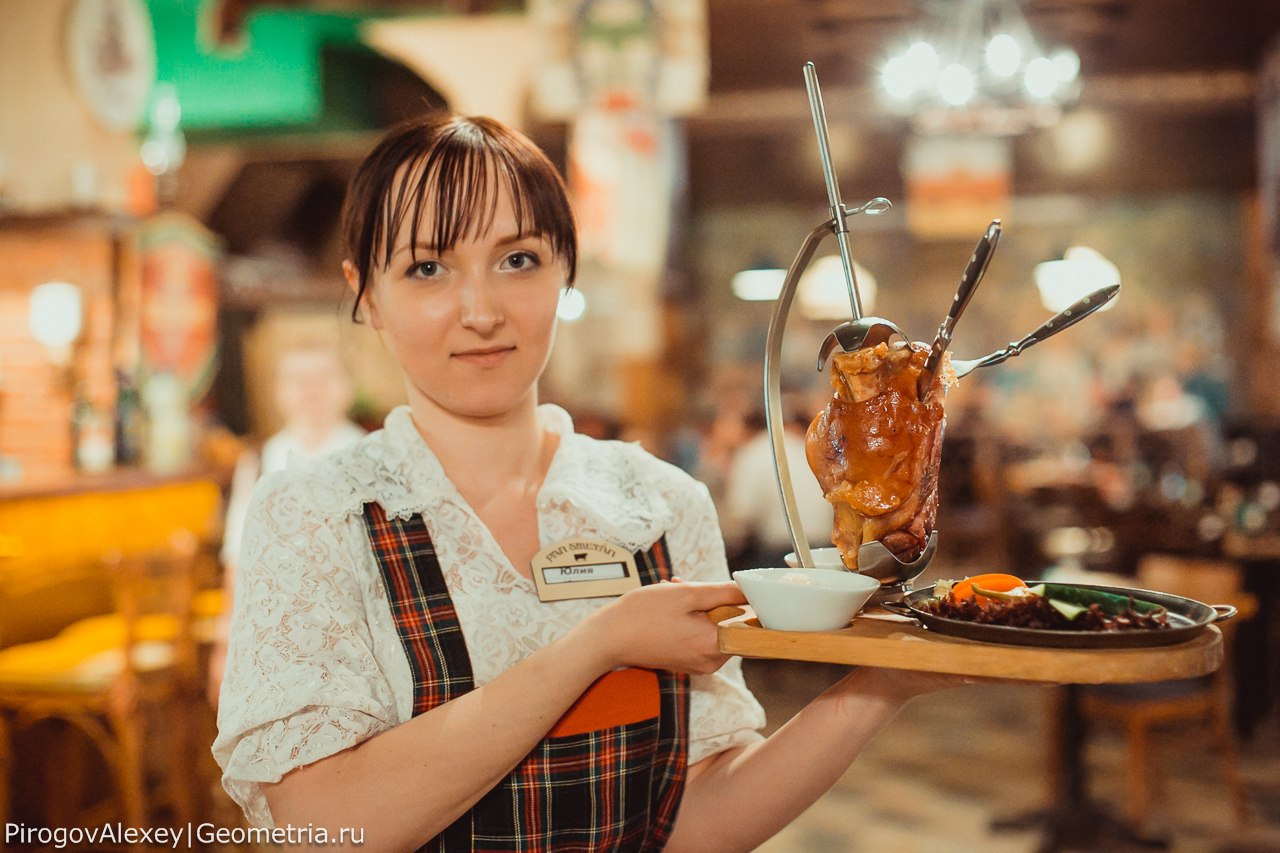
979,69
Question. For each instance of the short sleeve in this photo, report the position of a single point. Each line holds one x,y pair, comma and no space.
302,681
723,713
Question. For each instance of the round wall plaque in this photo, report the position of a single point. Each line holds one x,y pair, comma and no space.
112,55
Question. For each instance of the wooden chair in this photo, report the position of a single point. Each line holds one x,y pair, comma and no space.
107,675
1140,709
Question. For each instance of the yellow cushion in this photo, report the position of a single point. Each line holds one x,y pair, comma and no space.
54,665
76,662
107,630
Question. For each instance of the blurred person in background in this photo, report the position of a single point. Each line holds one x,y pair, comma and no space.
718,437
312,394
754,521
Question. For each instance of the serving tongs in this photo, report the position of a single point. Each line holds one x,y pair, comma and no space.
1064,319
973,273
874,559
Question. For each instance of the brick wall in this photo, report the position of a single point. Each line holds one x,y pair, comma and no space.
35,397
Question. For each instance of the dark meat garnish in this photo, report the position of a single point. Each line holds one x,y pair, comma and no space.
1035,611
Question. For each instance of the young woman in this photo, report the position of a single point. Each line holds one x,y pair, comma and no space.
392,668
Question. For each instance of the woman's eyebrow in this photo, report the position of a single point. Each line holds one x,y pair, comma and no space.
415,247
431,248
516,238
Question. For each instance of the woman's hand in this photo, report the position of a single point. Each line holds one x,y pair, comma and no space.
895,687
661,626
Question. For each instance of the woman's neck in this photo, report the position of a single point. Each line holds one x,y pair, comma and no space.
486,456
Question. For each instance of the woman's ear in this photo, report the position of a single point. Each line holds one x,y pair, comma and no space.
365,308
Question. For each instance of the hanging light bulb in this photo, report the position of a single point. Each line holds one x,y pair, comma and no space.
1040,78
906,75
922,60
1066,65
956,85
898,79
1004,55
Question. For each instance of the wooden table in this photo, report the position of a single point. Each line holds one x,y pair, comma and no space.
881,639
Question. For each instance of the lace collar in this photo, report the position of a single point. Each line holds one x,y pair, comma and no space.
610,485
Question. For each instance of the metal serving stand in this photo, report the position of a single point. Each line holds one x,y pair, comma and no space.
878,562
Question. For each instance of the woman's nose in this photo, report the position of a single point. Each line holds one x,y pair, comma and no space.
480,308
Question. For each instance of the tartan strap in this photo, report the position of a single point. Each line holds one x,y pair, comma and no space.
612,789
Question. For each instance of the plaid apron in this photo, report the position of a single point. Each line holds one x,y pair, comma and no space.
615,788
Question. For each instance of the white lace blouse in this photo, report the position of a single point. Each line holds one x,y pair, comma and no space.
315,665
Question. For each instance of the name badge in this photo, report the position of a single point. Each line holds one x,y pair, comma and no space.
583,568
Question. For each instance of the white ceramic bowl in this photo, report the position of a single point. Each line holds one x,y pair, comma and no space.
826,602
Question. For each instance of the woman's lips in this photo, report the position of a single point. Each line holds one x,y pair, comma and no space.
484,357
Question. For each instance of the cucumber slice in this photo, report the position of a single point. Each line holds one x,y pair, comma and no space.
1112,604
1066,608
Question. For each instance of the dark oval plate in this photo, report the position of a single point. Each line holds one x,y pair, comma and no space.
1187,618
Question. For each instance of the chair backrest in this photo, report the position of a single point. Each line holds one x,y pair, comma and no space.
52,545
154,593
1206,580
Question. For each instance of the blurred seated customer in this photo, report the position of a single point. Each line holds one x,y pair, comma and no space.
710,452
754,521
1178,427
313,393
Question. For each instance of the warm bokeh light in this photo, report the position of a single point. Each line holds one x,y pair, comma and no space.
572,305
1080,272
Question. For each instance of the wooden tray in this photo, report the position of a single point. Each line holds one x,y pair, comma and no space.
878,638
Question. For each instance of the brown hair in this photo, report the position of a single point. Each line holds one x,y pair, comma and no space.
451,163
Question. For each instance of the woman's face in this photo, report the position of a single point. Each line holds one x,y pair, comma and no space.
471,327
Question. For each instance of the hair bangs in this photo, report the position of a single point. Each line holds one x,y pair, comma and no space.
451,192
438,180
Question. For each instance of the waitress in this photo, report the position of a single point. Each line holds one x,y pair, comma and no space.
398,667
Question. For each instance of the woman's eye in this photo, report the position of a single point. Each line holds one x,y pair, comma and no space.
424,269
521,261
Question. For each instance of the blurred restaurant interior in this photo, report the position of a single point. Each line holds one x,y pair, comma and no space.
171,180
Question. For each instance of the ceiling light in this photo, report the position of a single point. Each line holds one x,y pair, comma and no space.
1066,65
1040,78
898,78
955,85
922,59
1004,55
995,78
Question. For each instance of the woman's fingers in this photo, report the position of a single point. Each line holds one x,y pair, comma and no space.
708,596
